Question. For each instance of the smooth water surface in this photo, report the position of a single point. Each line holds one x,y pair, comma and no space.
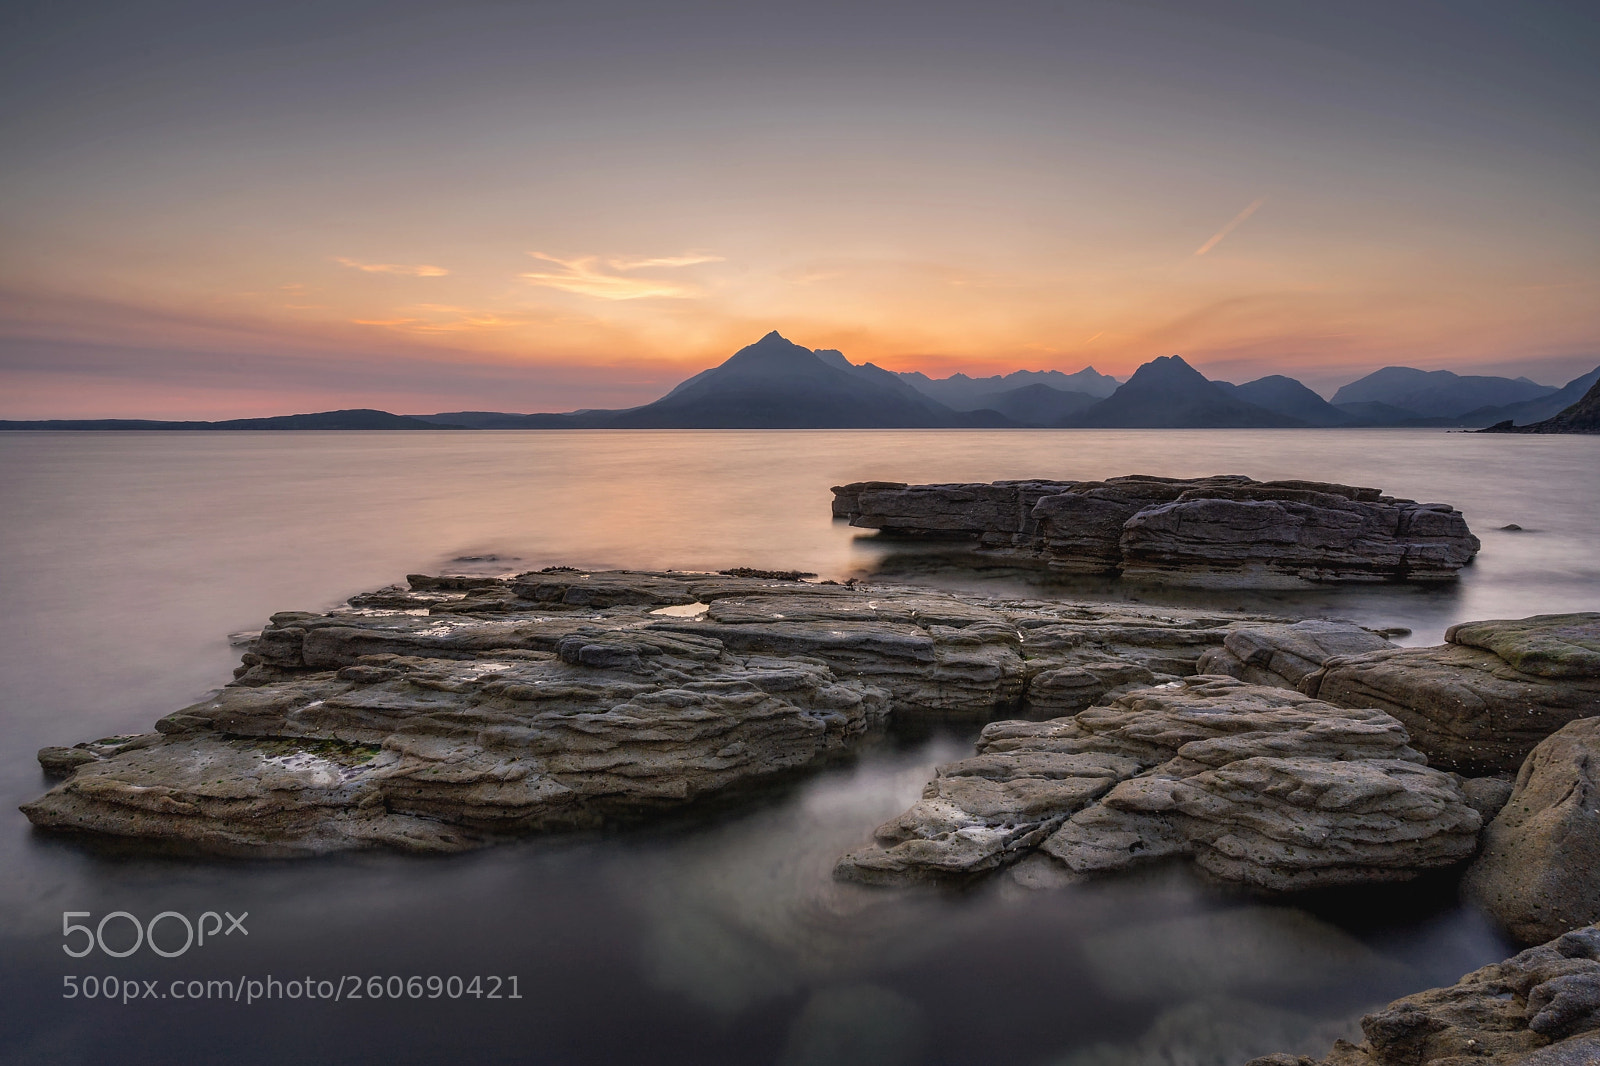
716,935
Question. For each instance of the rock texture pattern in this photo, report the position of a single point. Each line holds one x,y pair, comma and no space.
1539,1008
458,710
1226,530
1482,700
1259,785
1539,874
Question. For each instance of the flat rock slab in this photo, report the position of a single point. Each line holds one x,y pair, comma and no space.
1256,784
458,710
1480,702
1228,531
1539,1008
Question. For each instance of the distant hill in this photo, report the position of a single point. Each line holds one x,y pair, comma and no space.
1535,410
1168,393
1372,414
1581,417
358,418
1040,405
970,394
1437,393
1286,396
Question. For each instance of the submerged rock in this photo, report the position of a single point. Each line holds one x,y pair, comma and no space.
459,710
1220,531
1539,1008
1539,874
1257,784
1481,701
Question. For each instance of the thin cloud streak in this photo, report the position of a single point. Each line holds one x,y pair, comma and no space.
1216,238
585,277
420,270
691,259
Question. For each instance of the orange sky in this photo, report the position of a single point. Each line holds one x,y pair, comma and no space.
424,216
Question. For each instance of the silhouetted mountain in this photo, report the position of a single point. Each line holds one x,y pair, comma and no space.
1040,405
1286,396
1581,417
358,418
1437,393
1529,411
969,394
1168,393
776,384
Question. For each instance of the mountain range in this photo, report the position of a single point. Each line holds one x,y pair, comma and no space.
777,384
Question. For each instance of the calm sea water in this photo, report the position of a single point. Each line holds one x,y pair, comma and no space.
717,936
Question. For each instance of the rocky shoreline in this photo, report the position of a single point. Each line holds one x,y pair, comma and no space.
456,711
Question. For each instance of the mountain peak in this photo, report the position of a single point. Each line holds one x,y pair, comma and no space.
1170,369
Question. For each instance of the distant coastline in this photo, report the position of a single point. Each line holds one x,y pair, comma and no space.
776,384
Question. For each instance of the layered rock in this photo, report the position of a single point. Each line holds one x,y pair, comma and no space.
1480,702
1285,655
462,709
1539,874
1226,530
1538,1008
1257,784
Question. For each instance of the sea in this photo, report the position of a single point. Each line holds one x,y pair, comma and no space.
714,934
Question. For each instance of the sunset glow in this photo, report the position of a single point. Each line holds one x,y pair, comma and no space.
602,204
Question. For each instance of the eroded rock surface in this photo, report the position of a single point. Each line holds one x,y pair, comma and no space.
1285,655
1539,1008
1257,784
1225,530
1480,702
457,710
1539,874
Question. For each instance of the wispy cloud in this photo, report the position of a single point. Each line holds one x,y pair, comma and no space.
439,318
419,270
688,259
1216,238
589,276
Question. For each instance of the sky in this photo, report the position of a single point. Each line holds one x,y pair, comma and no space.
226,210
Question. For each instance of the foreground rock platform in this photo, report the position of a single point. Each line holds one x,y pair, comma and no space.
459,710
1228,530
1538,1008
1256,784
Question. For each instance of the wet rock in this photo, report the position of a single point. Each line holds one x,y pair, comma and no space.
457,710
1480,702
1257,784
975,512
1218,531
1538,1008
1539,874
1285,654
62,761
